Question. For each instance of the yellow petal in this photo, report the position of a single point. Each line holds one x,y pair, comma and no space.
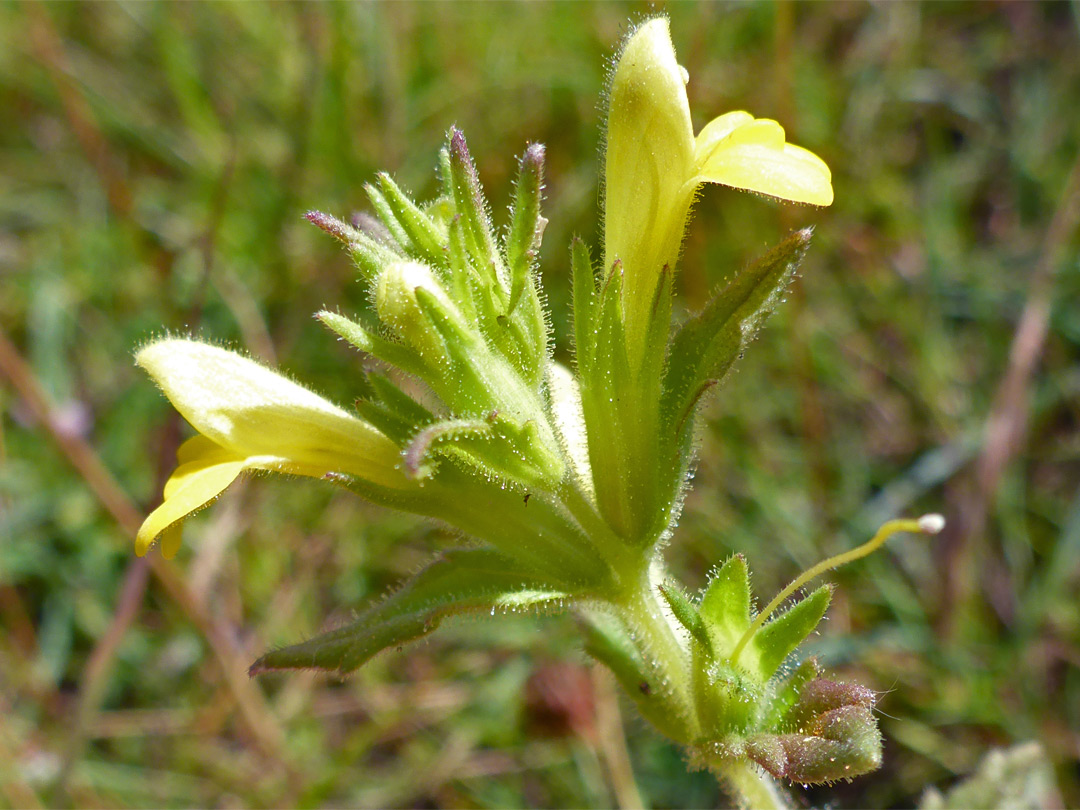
170,539
754,157
251,411
195,454
718,129
196,484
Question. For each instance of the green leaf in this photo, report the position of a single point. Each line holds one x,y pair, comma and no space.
461,581
584,302
394,398
434,438
601,381
779,637
471,206
526,224
707,345
656,338
391,410
387,217
367,340
425,240
683,610
725,607
370,255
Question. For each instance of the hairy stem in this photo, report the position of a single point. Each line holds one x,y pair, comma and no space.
751,787
662,647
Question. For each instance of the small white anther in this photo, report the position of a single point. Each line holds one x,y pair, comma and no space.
931,524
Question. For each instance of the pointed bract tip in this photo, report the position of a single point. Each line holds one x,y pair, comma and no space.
458,147
341,231
534,155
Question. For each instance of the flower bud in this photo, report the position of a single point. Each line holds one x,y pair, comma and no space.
832,735
397,305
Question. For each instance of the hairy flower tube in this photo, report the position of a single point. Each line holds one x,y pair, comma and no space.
568,483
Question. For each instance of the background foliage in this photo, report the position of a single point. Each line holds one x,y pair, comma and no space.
155,162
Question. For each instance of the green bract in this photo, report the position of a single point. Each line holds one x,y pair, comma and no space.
567,481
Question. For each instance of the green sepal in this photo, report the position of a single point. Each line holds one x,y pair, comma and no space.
386,420
683,610
526,224
425,240
433,438
391,410
725,606
461,581
584,281
393,397
390,221
369,254
454,332
656,338
707,345
464,279
440,211
608,371
471,206
367,340
503,333
779,637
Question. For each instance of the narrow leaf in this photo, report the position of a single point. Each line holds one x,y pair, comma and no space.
399,401
368,253
707,345
392,411
366,340
461,581
472,208
526,224
778,638
427,241
584,303
725,607
683,610
389,219
433,436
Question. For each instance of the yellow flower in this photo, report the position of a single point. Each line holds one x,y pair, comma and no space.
654,165
250,418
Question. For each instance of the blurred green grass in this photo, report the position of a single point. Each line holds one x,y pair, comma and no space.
155,162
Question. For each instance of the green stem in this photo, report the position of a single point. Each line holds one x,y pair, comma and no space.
751,787
661,647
